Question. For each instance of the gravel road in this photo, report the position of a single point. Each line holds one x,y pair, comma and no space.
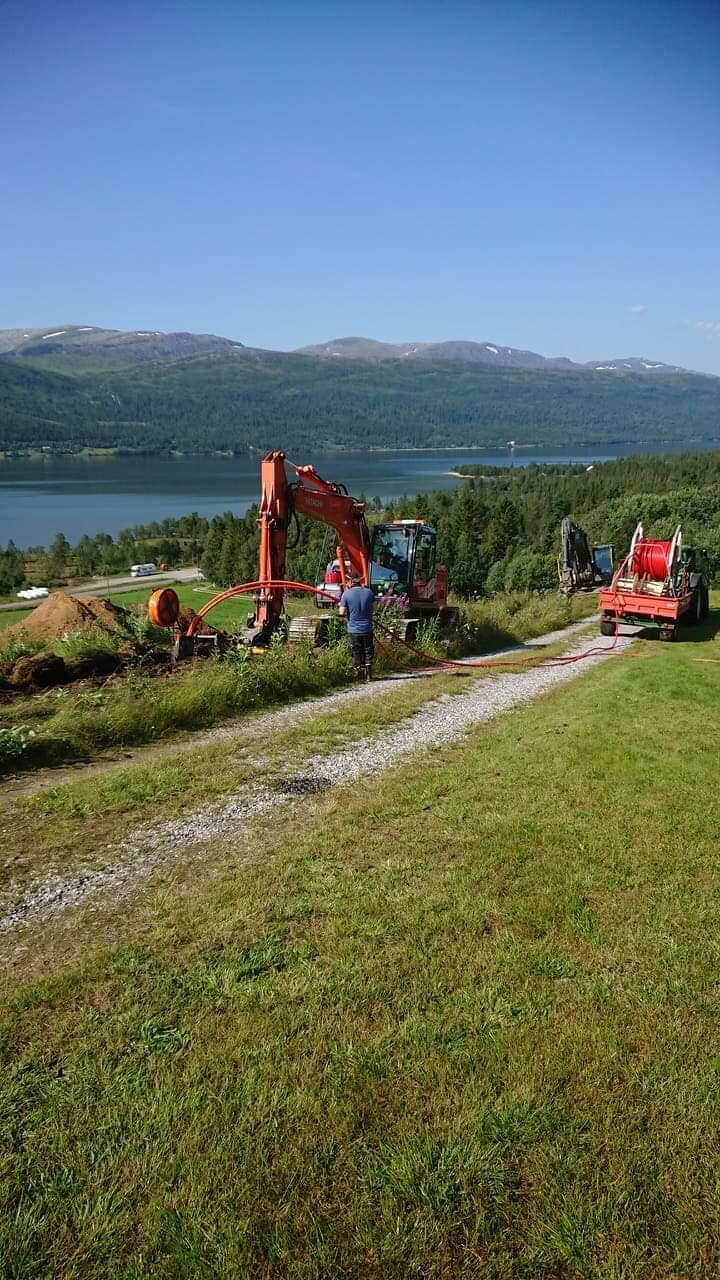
154,848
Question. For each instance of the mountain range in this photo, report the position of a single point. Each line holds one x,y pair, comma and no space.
81,387
89,343
493,354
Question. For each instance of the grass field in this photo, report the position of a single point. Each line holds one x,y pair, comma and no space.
230,615
11,616
461,1023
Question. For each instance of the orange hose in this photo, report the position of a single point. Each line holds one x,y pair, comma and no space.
247,588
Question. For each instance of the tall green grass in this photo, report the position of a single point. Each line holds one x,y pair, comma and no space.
513,617
139,708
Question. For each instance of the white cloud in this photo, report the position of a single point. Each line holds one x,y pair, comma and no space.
707,326
637,309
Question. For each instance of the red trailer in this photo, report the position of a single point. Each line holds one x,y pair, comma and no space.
659,584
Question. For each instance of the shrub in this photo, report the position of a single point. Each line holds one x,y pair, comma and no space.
20,647
513,617
14,742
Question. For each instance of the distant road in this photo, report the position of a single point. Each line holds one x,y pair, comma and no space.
111,586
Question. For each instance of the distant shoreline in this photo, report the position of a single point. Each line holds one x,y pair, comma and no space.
605,448
44,451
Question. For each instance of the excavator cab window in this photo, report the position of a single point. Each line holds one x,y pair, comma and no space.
603,561
391,555
424,569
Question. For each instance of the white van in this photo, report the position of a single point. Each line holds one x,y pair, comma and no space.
142,570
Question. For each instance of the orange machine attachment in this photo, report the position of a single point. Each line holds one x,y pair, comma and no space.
164,607
311,496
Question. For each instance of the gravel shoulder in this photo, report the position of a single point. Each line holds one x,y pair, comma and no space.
153,849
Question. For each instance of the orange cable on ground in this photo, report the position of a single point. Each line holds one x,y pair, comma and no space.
283,584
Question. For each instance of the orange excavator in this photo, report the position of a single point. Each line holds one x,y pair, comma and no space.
397,558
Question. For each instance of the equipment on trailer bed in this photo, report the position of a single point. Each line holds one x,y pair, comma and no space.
658,584
580,567
396,558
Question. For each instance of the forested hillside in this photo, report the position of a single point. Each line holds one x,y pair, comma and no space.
270,400
499,532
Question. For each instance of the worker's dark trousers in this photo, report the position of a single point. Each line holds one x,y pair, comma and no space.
362,652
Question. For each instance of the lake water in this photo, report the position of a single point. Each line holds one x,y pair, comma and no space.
76,496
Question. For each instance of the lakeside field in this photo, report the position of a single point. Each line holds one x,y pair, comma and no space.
458,1021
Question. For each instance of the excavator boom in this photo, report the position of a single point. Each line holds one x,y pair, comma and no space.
311,496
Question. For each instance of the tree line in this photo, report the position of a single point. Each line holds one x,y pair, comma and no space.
175,541
499,532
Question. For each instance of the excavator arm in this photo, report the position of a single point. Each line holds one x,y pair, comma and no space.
311,496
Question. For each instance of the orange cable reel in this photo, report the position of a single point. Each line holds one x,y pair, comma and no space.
164,607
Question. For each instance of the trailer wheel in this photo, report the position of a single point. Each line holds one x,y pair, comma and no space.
667,633
607,626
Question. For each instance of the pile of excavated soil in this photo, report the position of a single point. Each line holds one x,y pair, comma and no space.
185,617
62,613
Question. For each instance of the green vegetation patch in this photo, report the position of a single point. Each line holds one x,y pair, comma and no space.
139,708
8,617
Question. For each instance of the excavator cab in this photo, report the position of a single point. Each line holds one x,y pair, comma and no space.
604,562
580,566
403,560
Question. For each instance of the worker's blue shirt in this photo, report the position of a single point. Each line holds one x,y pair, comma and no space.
359,602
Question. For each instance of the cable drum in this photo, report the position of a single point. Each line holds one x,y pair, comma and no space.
651,559
164,607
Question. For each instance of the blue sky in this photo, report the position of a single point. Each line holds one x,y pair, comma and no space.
542,174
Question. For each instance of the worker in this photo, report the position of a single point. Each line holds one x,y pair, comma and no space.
357,604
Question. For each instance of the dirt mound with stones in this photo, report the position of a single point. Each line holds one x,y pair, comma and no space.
62,614
185,617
